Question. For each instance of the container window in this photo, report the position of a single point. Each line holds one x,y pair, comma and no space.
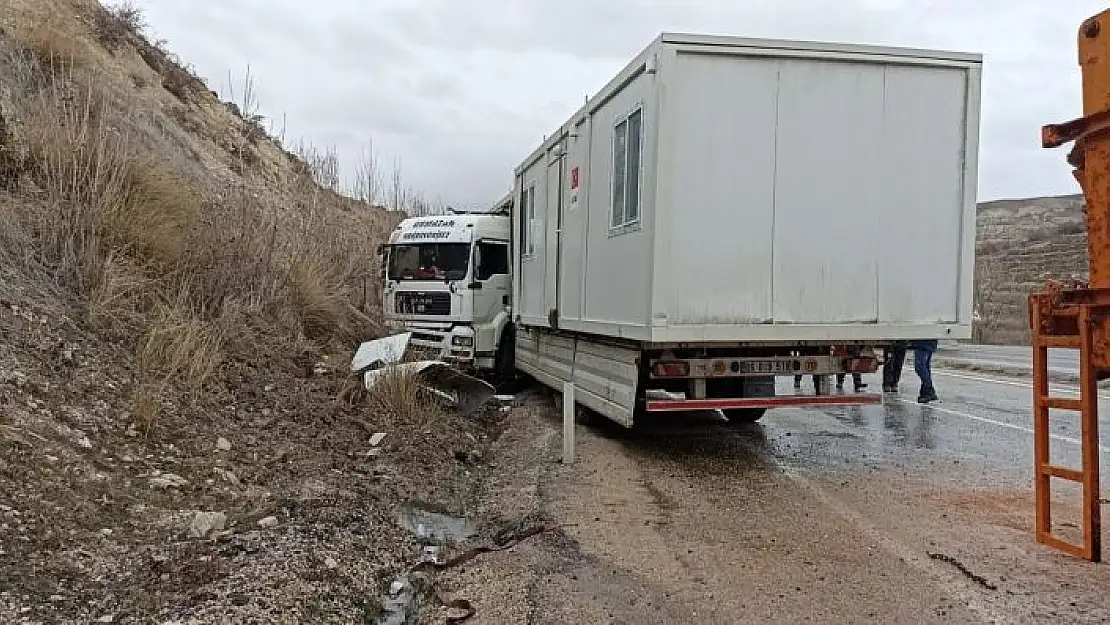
620,158
627,160
528,221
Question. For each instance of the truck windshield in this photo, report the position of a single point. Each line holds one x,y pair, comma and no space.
429,261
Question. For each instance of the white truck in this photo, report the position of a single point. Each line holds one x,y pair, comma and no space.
727,211
447,281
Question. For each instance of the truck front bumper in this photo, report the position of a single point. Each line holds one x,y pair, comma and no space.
455,345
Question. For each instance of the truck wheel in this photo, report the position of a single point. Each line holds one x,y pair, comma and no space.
737,416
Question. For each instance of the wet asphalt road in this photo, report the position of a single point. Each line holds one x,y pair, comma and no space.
980,418
1064,361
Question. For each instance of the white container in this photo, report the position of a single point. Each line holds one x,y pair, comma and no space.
782,191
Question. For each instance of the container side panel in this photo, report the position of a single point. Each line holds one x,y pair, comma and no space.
922,213
827,195
721,201
618,262
532,225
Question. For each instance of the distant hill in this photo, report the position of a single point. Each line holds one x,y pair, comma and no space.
1021,244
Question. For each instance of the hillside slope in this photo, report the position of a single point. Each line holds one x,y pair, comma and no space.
1020,245
179,299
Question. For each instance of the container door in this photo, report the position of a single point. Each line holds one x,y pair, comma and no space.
555,161
573,224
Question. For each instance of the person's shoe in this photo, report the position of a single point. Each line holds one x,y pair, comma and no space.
926,398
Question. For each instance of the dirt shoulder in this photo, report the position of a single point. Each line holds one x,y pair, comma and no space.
691,530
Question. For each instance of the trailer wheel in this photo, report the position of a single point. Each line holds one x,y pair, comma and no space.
737,416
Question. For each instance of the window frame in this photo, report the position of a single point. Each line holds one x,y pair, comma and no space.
624,224
528,221
479,266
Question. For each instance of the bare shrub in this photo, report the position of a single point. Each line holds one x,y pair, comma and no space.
115,26
177,77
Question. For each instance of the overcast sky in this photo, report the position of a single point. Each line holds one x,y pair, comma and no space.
460,91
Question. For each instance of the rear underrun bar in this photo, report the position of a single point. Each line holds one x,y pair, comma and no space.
799,401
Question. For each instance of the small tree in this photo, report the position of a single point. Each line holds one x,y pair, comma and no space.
398,194
368,182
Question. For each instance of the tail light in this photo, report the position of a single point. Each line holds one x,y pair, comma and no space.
675,369
861,365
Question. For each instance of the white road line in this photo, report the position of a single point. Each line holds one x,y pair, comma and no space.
1058,437
1028,385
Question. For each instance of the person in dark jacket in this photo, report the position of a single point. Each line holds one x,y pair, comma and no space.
894,356
923,366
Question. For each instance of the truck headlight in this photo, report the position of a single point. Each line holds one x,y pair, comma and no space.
463,341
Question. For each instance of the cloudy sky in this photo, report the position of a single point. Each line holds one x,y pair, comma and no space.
460,91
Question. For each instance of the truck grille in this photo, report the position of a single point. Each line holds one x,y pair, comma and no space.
420,303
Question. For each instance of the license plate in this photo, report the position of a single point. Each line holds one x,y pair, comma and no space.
770,367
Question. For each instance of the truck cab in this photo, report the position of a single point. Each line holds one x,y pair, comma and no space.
447,280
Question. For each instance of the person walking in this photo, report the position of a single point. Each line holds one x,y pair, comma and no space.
923,367
894,356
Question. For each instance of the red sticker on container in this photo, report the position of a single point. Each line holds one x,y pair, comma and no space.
574,178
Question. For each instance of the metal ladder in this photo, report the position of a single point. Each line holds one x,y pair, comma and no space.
1087,407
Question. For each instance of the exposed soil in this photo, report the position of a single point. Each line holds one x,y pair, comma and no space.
95,507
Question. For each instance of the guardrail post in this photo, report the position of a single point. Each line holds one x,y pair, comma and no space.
568,422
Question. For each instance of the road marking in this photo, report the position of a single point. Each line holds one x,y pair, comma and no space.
1058,437
1028,385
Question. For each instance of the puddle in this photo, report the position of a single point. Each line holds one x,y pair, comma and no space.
401,605
435,525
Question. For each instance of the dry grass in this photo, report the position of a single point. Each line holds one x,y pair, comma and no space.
179,352
56,42
399,398
105,199
191,273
